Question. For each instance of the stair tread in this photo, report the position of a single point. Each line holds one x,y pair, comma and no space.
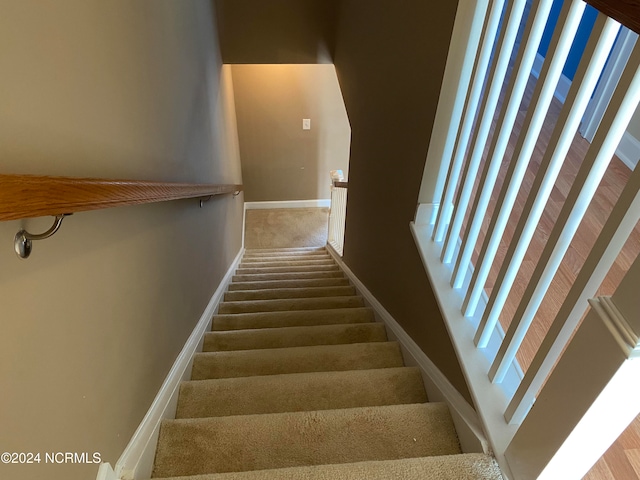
289,292
293,283
272,262
296,392
250,251
281,337
288,269
280,258
462,466
249,277
238,321
278,440
316,358
287,304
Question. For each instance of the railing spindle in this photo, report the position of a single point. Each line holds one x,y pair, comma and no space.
531,38
495,82
545,88
575,206
458,106
473,99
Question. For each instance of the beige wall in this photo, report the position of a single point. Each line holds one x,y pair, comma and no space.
280,160
276,31
390,59
92,322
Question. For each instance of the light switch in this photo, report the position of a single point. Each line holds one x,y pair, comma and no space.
306,124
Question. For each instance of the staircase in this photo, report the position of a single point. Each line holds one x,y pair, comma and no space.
297,381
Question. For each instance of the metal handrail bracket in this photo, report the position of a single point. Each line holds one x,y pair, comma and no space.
23,240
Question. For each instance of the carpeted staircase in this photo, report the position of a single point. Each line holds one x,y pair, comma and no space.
297,381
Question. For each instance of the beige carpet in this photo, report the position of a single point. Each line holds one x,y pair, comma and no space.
294,336
321,390
471,466
297,381
286,227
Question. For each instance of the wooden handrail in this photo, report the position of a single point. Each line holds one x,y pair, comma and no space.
340,184
627,12
25,196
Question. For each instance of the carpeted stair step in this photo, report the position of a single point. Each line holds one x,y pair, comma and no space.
286,263
299,392
278,293
294,337
285,258
289,269
279,440
297,381
295,256
287,251
286,304
278,361
241,321
463,466
296,283
261,277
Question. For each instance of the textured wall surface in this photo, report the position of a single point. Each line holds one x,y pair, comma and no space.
92,322
390,59
280,160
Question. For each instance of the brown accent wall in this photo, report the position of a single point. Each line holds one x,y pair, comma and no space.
390,58
634,125
280,160
92,322
276,31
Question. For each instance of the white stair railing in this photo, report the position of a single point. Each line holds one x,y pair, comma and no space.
592,169
542,96
470,109
591,396
337,215
447,229
524,64
621,222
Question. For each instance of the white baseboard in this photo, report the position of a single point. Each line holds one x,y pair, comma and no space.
319,203
438,387
562,89
629,150
105,472
136,462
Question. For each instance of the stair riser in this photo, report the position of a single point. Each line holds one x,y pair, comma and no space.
464,466
294,250
281,440
265,277
294,258
319,282
300,392
282,293
289,269
278,361
290,263
292,319
255,306
294,337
